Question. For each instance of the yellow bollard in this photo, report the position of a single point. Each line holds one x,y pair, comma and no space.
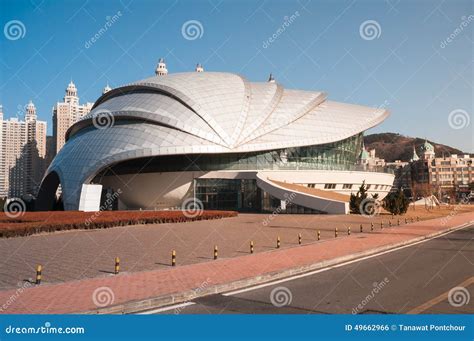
299,238
349,231
117,265
215,251
361,228
251,246
335,233
371,226
278,242
319,235
173,258
39,268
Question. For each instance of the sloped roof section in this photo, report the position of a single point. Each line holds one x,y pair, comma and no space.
200,113
237,115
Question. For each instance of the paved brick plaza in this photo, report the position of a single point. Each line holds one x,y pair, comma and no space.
146,289
76,255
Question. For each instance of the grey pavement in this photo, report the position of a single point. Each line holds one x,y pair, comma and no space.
417,279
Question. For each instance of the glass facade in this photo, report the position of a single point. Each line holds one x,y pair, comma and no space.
340,155
228,194
241,195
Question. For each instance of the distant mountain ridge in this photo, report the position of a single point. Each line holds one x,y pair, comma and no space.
392,146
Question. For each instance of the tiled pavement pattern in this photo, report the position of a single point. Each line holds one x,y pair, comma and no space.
76,296
75,255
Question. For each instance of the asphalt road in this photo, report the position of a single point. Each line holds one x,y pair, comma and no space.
415,279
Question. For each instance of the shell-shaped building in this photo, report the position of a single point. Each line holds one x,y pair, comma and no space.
217,139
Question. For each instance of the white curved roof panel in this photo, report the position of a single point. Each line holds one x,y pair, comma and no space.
206,112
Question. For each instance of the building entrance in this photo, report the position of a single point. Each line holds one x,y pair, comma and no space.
229,194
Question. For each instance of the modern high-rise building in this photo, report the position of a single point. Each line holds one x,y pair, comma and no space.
66,113
22,153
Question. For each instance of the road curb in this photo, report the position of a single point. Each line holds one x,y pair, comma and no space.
186,296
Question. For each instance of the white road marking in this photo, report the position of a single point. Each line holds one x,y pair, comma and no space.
292,278
170,307
256,287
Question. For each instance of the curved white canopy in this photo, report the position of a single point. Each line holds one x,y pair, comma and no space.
205,112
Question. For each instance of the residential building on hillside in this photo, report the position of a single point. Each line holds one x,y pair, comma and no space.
449,177
370,161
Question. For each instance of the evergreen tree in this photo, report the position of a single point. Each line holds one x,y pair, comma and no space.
396,202
360,199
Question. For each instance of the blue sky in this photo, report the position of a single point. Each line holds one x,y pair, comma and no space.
407,66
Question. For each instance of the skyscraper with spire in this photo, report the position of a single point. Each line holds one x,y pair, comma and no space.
161,69
199,67
66,113
106,89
